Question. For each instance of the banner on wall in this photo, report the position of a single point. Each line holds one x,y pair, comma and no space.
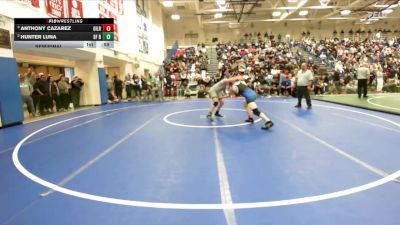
75,9
34,3
113,3
103,10
142,30
121,7
111,9
55,8
112,15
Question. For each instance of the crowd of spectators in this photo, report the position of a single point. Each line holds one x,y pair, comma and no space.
270,67
345,56
45,94
136,87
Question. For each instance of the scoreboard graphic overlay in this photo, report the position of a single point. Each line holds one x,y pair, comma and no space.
64,33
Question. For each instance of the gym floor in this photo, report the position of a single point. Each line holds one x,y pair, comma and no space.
164,163
388,102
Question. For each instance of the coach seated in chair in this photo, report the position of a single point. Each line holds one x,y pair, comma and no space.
274,87
286,86
351,87
112,99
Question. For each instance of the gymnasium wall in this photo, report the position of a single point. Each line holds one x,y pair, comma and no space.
178,29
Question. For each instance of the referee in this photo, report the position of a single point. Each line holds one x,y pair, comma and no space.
363,74
304,83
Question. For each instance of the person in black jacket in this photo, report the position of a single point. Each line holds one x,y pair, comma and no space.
119,86
76,86
42,89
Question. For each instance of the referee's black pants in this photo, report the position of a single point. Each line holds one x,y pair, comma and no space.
303,91
362,84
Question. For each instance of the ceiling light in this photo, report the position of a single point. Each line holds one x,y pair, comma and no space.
168,4
175,17
320,7
221,4
373,19
217,15
303,13
324,2
283,16
287,7
276,13
298,19
291,1
217,21
219,10
387,11
339,18
345,12
381,6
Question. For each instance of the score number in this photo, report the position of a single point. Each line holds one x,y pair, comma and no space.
108,36
108,32
108,27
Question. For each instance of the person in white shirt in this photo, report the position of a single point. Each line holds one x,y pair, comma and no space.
304,83
379,79
363,74
339,67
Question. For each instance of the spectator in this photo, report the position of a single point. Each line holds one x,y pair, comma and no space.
336,81
145,89
379,79
112,99
151,80
31,76
286,86
351,87
168,85
110,83
274,87
42,89
76,87
137,86
63,87
54,94
118,85
317,86
128,86
26,92
160,87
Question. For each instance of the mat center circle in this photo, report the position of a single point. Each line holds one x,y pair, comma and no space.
207,124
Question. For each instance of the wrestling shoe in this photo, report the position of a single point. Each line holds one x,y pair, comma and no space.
267,125
218,115
249,120
209,117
